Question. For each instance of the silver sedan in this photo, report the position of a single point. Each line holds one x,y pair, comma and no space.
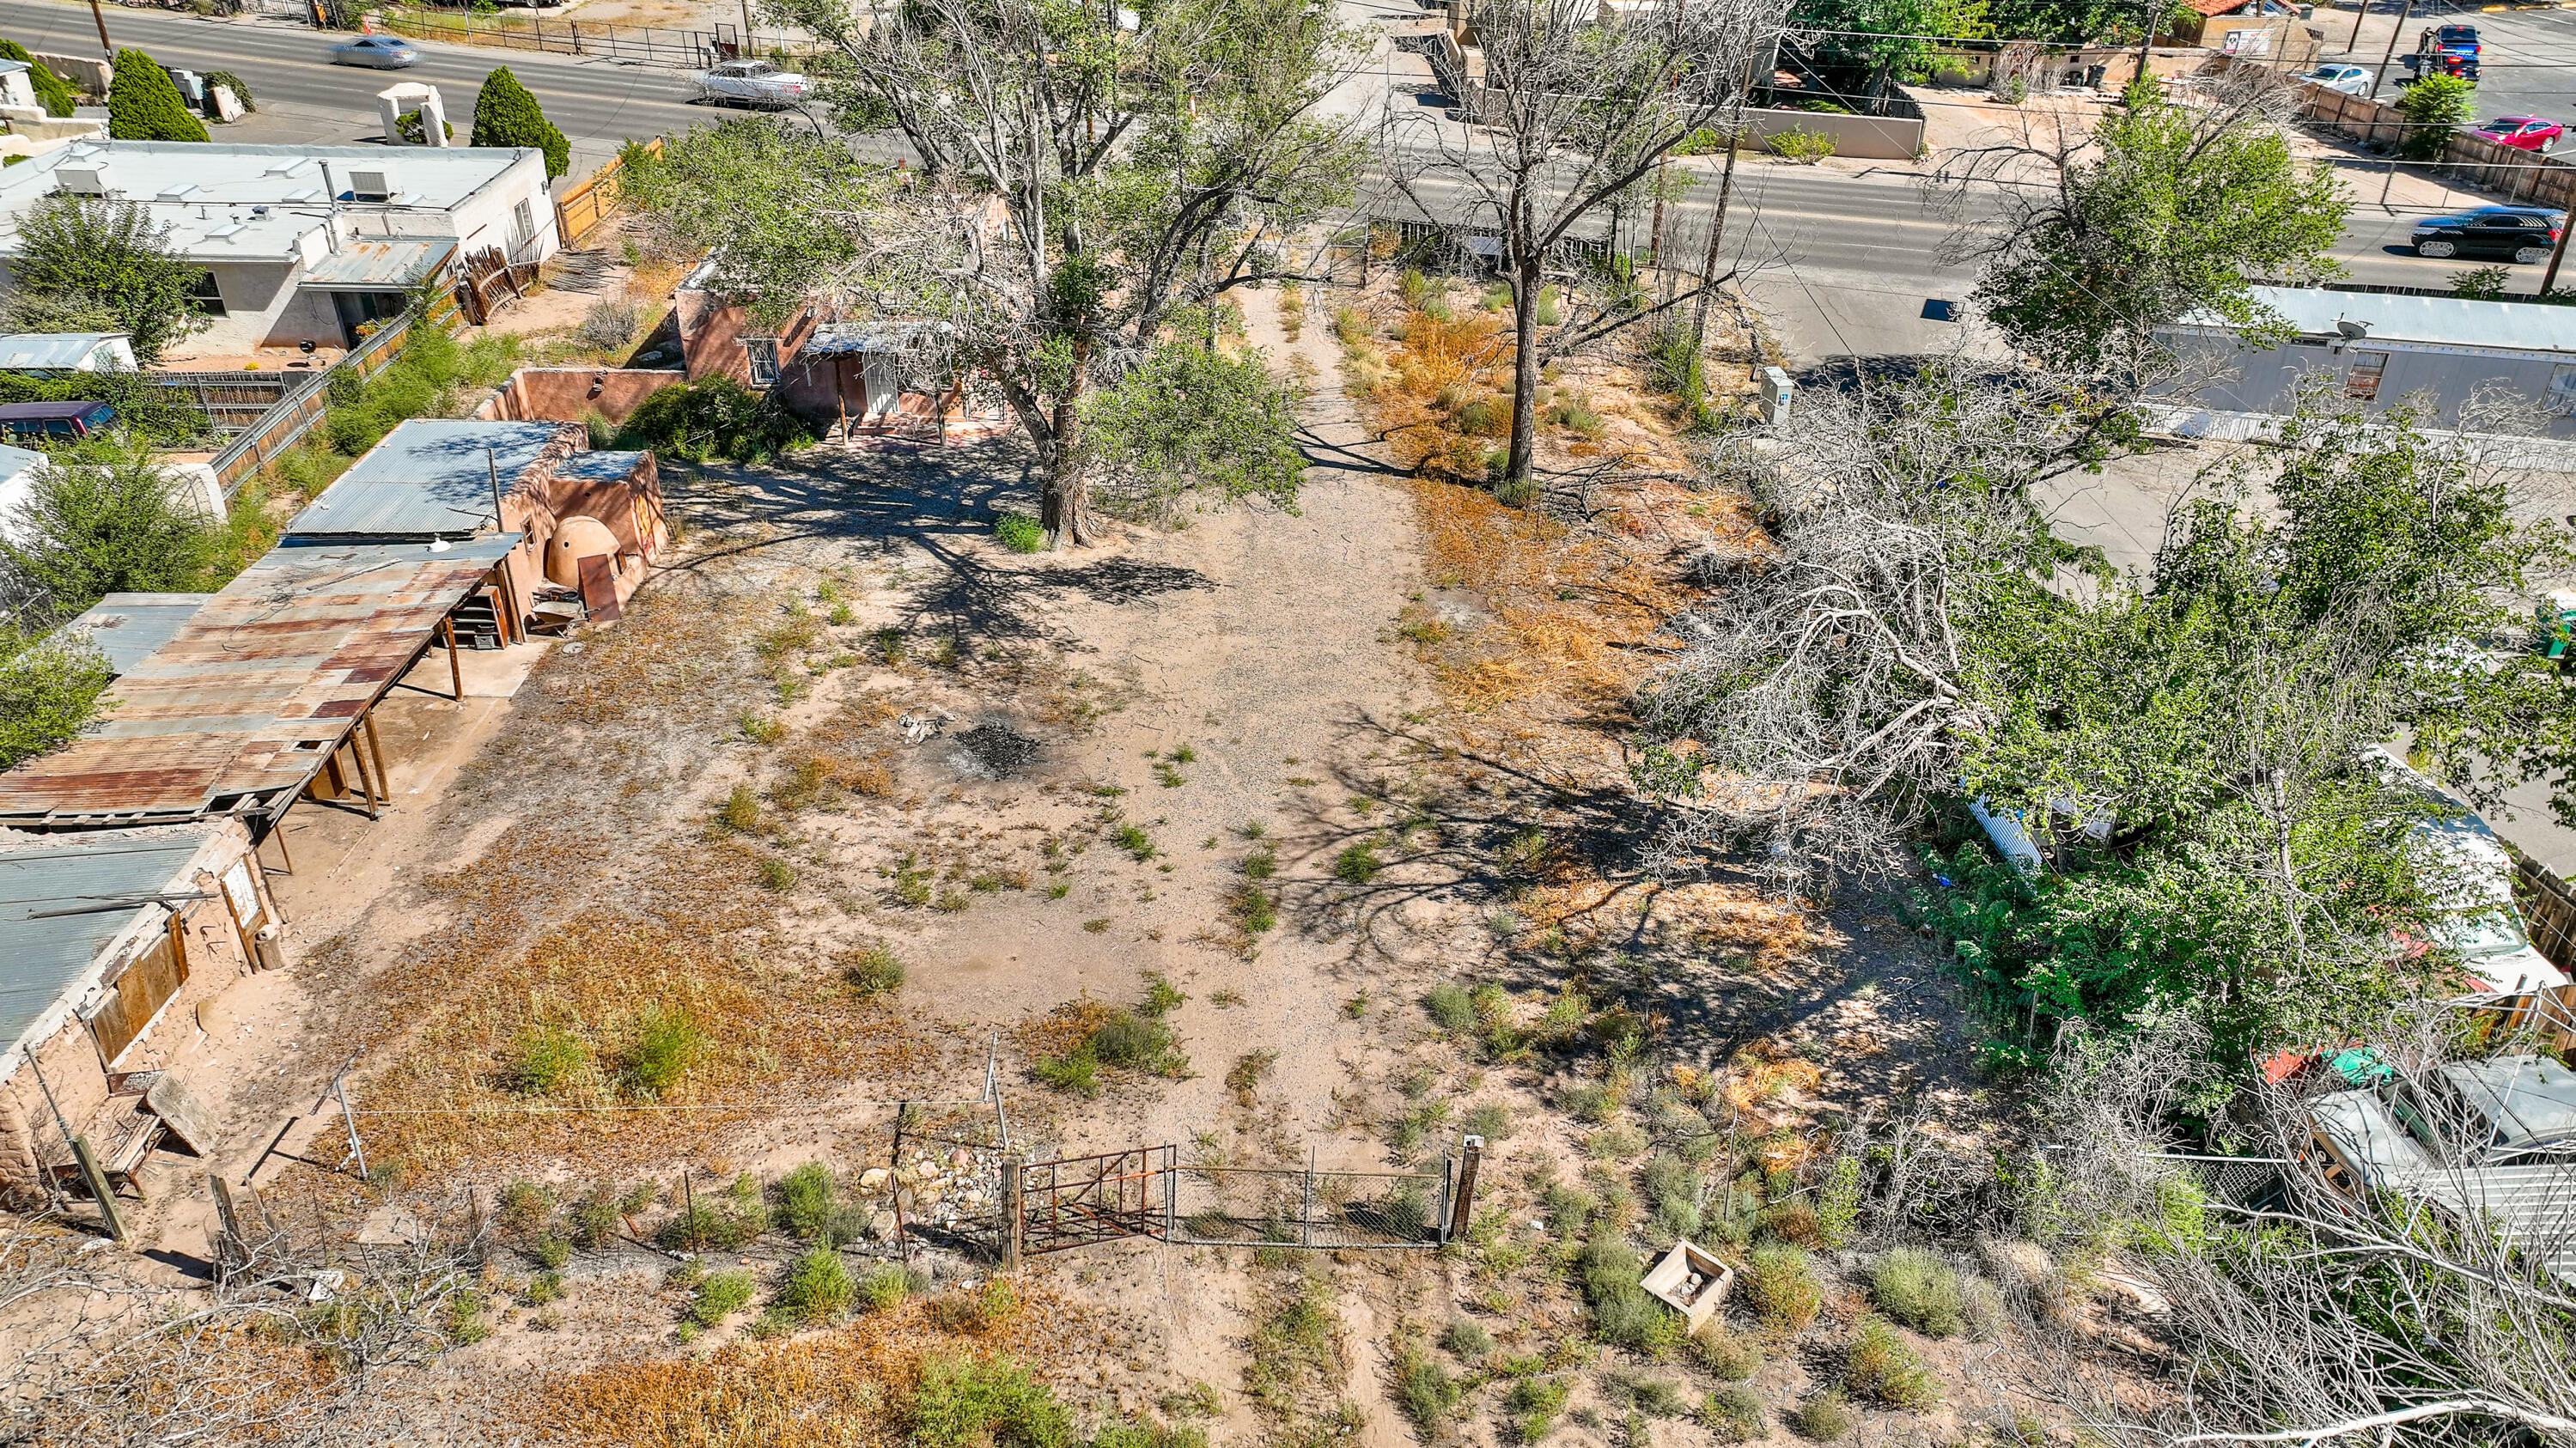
384,52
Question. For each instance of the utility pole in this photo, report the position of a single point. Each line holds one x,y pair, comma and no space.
1717,223
2360,8
2557,254
105,47
2403,11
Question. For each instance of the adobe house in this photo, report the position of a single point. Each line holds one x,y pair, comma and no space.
590,523
111,944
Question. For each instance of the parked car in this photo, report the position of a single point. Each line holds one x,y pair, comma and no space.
2446,50
2523,234
2352,80
2524,133
53,421
2501,1111
752,83
384,52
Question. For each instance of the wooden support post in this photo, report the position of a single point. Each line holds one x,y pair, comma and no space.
1011,1231
1462,1207
98,1187
455,668
277,832
366,781
376,747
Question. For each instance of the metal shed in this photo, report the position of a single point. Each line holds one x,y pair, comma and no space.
259,690
434,478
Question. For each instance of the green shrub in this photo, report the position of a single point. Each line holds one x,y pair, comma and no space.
1733,1414
1466,1338
740,812
808,1197
1138,1042
1533,1404
552,1252
53,93
1451,1008
873,971
1825,1417
817,1288
1254,909
1076,1072
777,875
49,688
505,114
1781,1288
1426,1389
1729,1356
884,1286
719,1297
594,1218
525,1208
713,417
106,517
968,1402
1654,1397
1357,864
1133,839
144,104
1920,1289
667,1041
1879,1368
1491,1120
1804,147
2433,106
1019,533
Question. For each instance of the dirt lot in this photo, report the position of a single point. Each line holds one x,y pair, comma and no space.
1322,806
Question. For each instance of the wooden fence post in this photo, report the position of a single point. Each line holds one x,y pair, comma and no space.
1011,1230
1462,1207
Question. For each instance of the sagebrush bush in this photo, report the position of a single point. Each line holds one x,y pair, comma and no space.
817,1288
1357,864
807,1199
544,1057
1824,1417
964,1401
1426,1389
1729,1356
719,1297
1733,1414
1781,1288
883,1287
1879,1368
1451,1008
1920,1289
1466,1338
872,970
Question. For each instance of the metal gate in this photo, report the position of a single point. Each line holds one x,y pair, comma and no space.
1082,1200
1146,1192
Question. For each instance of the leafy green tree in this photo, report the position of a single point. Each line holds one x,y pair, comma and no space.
506,114
96,264
1865,44
2162,211
1912,643
106,517
1191,418
1089,183
144,104
2432,106
52,91
49,688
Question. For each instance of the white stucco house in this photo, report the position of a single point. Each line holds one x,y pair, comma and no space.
304,243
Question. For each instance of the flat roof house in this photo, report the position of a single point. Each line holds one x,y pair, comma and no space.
304,243
2380,348
110,943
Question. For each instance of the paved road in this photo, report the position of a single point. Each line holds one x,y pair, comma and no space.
599,104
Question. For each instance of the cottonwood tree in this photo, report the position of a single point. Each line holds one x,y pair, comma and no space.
1581,102
1090,180
1916,635
2160,210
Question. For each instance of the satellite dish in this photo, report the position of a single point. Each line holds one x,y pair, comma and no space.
2351,329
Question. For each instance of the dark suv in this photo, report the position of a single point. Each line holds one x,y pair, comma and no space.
2523,234
2446,50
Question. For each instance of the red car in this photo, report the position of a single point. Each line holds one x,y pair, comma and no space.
2526,133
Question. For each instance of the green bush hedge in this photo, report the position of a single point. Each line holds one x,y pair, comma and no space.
144,104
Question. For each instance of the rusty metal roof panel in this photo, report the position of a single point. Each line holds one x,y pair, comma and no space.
240,708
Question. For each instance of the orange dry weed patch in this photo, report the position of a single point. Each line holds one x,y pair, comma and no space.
1061,1029
846,1387
1700,915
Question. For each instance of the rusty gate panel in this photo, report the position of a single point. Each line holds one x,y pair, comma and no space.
1082,1200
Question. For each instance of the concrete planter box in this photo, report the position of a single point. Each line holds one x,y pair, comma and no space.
1671,1282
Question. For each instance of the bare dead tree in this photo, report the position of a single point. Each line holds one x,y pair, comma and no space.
1579,106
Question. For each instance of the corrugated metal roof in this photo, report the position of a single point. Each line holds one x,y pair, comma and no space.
130,627
43,959
2437,321
2534,1206
429,478
240,708
42,351
377,265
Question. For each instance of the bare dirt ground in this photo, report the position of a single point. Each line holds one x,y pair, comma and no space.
624,933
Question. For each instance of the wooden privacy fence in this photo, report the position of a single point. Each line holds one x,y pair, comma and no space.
593,201
234,402
279,427
2523,177
2549,913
